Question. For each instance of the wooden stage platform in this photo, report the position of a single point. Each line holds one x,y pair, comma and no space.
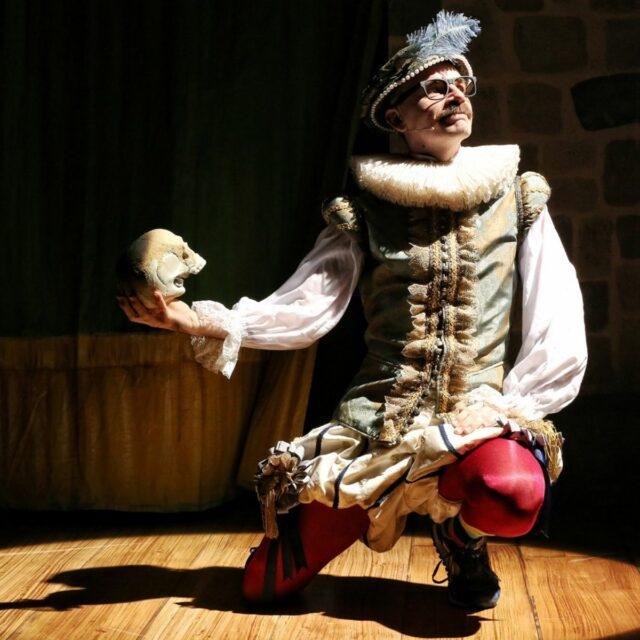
116,576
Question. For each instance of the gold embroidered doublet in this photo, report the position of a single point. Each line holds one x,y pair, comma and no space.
437,291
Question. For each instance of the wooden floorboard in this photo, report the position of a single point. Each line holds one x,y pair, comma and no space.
581,596
182,582
24,570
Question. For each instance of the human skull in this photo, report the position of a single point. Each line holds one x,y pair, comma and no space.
158,259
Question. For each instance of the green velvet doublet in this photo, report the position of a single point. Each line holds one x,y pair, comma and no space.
437,289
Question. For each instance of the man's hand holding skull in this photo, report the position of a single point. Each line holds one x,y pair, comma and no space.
151,275
175,316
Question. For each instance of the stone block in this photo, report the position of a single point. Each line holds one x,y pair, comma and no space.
574,194
621,178
564,227
520,5
596,305
599,376
628,285
594,247
550,44
529,158
607,101
487,52
628,234
568,156
614,6
535,108
408,15
487,112
623,43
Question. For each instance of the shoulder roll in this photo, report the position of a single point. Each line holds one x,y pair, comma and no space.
343,213
534,192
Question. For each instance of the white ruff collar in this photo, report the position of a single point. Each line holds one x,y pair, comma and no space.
475,175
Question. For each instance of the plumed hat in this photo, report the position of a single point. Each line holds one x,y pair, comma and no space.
445,39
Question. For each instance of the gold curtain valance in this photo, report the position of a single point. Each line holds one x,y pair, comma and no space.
132,422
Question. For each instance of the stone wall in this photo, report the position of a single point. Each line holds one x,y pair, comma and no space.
561,78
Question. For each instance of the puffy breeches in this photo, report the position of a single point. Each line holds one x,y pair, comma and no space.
501,486
499,483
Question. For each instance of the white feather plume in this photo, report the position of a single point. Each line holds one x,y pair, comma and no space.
449,34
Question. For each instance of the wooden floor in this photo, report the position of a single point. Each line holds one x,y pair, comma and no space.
110,576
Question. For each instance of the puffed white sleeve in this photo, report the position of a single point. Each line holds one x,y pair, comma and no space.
549,368
306,307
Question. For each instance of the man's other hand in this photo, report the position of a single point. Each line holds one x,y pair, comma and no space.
466,419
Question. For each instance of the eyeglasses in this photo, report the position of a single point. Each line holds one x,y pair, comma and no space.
438,88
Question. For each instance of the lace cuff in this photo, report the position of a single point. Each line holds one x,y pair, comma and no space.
219,356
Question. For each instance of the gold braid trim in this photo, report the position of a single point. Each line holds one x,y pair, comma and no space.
553,441
460,313
425,264
442,261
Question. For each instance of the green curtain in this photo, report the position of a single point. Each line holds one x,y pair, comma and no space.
226,122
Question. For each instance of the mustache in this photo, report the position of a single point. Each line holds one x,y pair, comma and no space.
449,111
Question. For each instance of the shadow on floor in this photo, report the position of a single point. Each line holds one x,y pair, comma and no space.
413,609
583,531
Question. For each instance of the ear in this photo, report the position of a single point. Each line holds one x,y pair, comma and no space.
395,120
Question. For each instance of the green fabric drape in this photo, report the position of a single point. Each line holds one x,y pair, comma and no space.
225,122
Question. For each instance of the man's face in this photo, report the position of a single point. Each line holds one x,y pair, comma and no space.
425,122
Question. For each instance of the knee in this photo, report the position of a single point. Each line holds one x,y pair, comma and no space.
508,504
503,487
508,473
519,491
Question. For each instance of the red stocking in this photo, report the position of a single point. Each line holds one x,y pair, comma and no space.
311,535
501,486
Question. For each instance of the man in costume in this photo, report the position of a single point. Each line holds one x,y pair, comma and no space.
436,421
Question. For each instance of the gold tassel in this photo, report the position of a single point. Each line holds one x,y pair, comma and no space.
278,482
553,441
268,508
